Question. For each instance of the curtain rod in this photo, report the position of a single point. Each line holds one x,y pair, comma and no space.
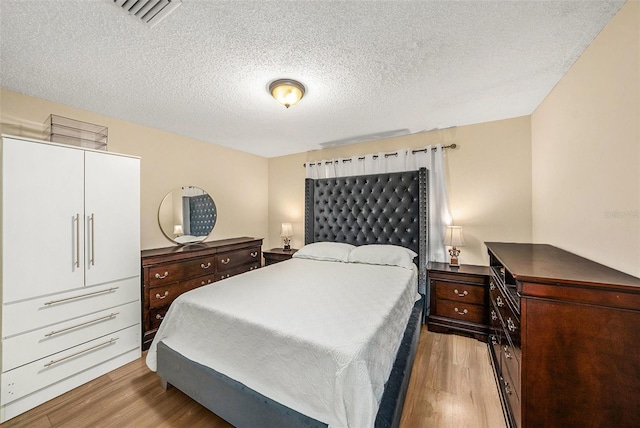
386,155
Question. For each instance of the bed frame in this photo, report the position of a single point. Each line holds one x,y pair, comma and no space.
386,208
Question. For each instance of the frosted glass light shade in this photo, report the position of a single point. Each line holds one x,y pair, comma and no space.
287,92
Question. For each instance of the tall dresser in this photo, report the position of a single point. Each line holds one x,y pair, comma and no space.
70,268
564,338
169,272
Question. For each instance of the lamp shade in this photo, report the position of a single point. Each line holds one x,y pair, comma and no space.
287,92
454,237
286,230
177,229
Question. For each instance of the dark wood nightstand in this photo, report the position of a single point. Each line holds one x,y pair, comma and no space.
276,255
459,299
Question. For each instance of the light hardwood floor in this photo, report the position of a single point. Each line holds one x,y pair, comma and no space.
451,385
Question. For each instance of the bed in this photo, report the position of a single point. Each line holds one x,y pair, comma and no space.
311,341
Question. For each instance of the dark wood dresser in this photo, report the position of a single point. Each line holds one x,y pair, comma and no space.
459,298
564,338
169,272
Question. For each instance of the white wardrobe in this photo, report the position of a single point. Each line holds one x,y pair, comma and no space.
70,268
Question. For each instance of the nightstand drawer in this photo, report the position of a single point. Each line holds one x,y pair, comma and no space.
460,311
460,292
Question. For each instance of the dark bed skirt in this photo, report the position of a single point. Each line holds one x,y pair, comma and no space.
243,407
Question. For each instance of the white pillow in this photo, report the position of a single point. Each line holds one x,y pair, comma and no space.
377,254
328,251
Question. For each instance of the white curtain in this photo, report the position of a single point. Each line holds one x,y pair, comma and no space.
431,157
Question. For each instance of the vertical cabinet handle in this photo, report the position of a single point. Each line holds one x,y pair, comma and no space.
77,220
92,226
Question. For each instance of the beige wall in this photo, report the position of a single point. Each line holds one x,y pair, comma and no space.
489,177
586,151
235,180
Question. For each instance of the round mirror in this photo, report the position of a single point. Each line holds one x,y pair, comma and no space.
187,215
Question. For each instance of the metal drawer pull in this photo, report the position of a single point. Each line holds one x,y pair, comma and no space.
499,302
511,325
506,351
205,283
225,261
82,324
464,293
492,286
207,266
494,316
494,340
223,276
158,296
158,276
464,312
507,388
159,317
108,342
53,302
253,267
254,254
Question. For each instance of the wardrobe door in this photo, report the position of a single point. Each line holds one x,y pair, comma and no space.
43,227
112,217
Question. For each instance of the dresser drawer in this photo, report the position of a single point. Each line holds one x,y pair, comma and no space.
31,377
232,259
32,314
460,292
163,296
37,344
460,311
173,272
156,316
237,271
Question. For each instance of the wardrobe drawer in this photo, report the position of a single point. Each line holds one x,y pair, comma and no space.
460,311
33,314
237,271
463,293
44,372
36,344
163,296
173,272
230,260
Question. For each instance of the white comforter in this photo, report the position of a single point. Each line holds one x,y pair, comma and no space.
318,337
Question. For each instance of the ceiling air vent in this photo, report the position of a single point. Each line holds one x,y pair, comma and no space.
150,12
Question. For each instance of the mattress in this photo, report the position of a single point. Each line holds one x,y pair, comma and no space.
316,336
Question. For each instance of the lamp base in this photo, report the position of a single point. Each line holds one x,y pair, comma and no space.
287,247
454,261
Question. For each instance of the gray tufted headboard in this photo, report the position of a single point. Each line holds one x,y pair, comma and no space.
388,208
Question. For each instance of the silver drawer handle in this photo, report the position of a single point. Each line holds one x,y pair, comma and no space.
494,316
254,254
511,325
223,276
225,261
205,283
112,315
464,312
506,351
253,267
207,266
159,317
53,302
158,276
464,293
108,342
507,388
499,302
158,296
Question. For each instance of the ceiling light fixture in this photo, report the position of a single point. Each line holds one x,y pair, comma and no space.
287,92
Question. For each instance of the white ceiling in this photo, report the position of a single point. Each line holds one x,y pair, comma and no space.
374,67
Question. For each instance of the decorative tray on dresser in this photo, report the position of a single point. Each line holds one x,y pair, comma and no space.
564,338
169,272
458,299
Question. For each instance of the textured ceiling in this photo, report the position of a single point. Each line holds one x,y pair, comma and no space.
370,68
